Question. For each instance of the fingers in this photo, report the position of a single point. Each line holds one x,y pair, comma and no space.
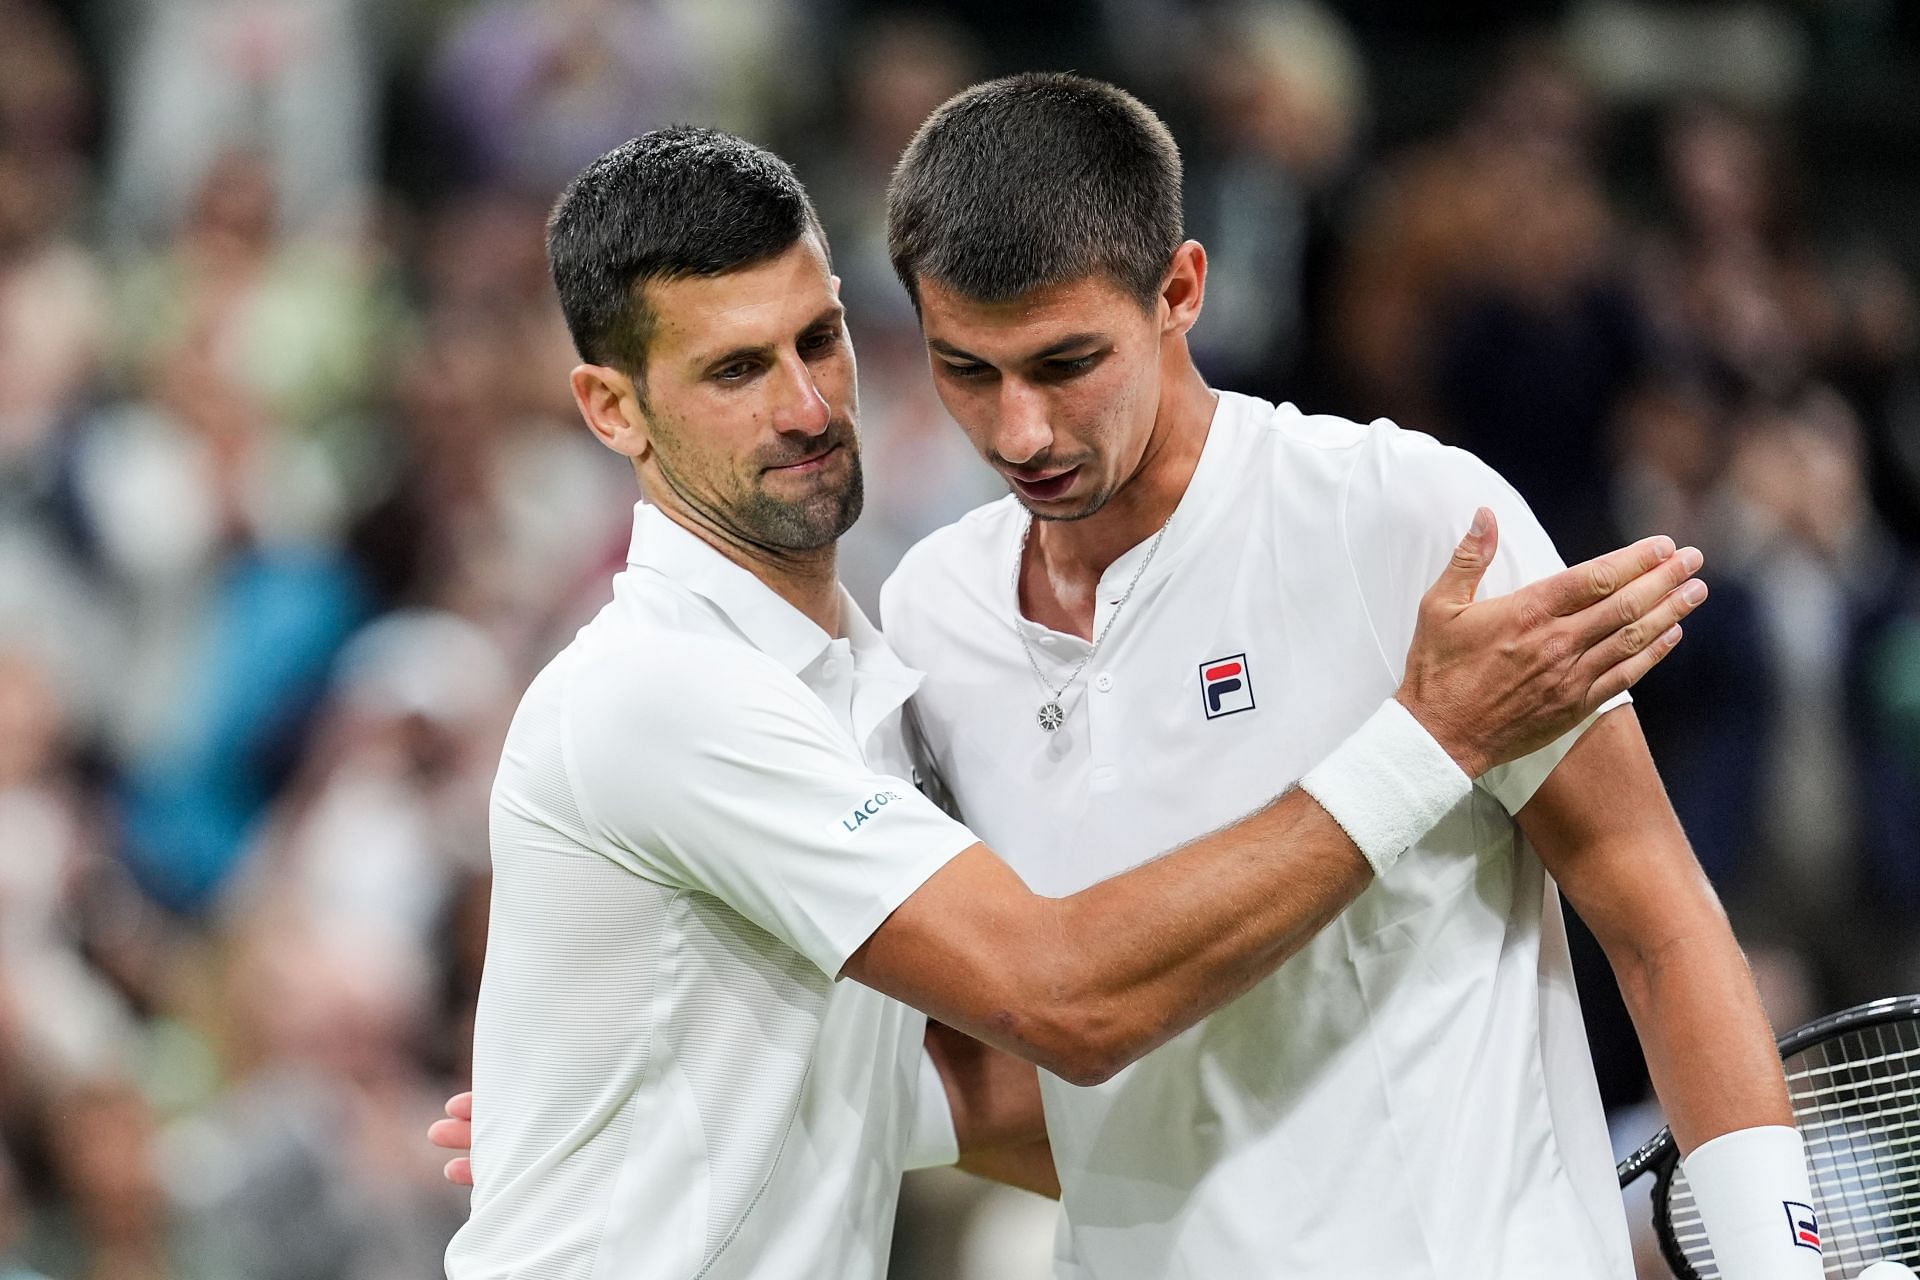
1639,599
1643,632
454,1135
1459,581
1626,674
1571,590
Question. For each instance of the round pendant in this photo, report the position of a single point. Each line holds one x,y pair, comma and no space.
1050,716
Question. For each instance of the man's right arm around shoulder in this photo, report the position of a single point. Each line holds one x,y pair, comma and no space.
1086,984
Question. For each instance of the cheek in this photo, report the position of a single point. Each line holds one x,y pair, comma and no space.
973,412
839,380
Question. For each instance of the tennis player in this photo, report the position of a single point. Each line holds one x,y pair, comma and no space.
705,813
1189,590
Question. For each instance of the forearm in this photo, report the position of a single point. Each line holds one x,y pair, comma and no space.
1086,984
1602,825
1708,1046
993,1097
1135,960
1028,1167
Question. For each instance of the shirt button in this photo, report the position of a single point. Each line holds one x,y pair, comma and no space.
831,667
1103,682
1046,642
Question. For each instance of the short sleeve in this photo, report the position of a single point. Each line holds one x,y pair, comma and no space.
1408,504
719,771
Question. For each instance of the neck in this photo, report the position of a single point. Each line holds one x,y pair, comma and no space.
1084,549
807,580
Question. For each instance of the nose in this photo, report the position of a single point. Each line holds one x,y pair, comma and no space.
799,409
1024,433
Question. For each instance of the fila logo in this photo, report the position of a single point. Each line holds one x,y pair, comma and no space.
1805,1226
1226,686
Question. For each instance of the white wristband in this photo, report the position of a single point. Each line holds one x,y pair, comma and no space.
1387,784
1756,1202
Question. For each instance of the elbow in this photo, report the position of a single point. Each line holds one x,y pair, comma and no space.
1085,1040
1085,1062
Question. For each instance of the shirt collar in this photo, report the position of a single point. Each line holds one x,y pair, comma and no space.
769,623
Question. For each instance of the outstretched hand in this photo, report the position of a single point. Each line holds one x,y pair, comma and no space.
1493,680
455,1133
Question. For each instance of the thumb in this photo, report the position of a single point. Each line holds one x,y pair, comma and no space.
1461,578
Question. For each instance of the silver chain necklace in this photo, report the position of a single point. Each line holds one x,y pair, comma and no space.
1050,716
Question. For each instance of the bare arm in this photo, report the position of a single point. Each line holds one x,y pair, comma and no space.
1029,1168
1604,829
1086,984
994,1098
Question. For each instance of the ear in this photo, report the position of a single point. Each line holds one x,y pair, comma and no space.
611,407
1185,288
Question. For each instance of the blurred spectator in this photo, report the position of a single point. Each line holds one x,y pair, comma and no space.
1742,49
1802,532
1484,300
1282,97
528,93
292,80
302,1169
52,293
12,1224
390,807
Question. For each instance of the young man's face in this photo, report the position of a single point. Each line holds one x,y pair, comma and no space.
1057,390
750,401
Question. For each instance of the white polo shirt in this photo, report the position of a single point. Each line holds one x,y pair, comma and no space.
702,810
1408,1098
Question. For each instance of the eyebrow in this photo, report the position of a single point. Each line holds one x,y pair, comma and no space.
830,315
1064,345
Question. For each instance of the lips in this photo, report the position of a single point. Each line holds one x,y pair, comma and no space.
1047,489
806,465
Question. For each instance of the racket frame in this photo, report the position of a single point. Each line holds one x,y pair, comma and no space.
1660,1155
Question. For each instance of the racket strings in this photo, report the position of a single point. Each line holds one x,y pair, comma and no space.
1856,1100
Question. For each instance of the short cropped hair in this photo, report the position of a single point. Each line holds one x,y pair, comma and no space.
667,205
1034,180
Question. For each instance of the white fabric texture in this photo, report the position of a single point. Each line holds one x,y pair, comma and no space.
1755,1198
934,1142
702,809
1411,1095
1387,784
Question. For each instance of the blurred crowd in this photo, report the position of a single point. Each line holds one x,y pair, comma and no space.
294,500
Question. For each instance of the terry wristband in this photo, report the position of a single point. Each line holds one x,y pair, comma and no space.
1756,1202
1387,784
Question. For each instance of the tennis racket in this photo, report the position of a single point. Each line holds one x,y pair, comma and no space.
1854,1078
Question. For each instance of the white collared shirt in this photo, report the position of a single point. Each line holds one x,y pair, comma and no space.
704,806
1408,1098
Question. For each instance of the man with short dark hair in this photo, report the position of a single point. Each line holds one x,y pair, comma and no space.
1190,589
705,812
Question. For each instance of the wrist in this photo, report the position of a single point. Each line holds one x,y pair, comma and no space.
1472,761
1756,1202
1387,784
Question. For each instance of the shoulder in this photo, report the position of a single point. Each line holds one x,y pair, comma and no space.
643,686
1409,483
1308,458
956,563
